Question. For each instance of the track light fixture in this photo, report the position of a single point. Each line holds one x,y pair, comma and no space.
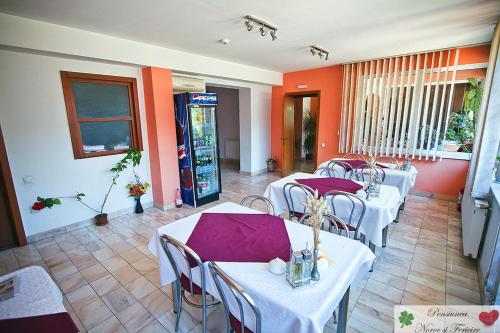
264,26
248,25
320,51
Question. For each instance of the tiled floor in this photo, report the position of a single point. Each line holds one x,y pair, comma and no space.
110,280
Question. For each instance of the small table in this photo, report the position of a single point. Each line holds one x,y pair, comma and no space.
380,212
38,295
283,308
404,180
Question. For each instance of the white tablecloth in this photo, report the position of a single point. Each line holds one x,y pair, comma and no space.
283,308
38,295
380,212
403,180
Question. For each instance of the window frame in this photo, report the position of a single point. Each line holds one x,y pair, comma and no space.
67,78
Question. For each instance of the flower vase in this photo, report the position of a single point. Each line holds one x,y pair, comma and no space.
138,206
315,271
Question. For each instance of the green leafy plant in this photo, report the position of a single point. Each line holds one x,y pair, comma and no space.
271,160
309,134
133,156
406,318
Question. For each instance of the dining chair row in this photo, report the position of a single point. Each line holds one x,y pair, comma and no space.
341,169
191,277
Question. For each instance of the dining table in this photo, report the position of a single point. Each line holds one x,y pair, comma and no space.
380,211
404,180
282,307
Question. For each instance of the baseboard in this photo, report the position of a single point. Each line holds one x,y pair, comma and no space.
434,196
164,207
253,173
82,224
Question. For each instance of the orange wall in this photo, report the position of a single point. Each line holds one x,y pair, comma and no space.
162,140
445,177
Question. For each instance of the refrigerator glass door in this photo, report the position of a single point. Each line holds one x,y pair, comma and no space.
205,159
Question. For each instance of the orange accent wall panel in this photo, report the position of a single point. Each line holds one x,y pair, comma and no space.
158,97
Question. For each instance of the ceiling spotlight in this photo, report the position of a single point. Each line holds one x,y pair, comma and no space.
321,52
263,32
273,34
248,25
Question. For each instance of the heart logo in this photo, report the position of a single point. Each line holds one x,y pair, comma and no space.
488,318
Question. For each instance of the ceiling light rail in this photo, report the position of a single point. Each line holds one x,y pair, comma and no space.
251,22
321,52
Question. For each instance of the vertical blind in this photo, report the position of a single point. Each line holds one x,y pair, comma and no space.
398,106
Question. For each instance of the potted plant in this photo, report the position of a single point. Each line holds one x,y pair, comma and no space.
136,190
133,157
309,136
497,173
271,164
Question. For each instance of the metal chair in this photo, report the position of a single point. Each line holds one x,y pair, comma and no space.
327,171
224,283
185,282
340,165
356,210
354,156
335,224
386,159
250,200
365,171
301,191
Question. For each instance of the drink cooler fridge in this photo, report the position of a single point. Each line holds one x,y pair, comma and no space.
197,147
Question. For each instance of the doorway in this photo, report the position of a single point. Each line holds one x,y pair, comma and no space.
301,114
11,228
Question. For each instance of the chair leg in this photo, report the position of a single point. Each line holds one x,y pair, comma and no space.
204,313
335,316
178,312
344,303
384,236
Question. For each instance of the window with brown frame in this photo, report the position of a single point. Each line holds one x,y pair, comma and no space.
103,113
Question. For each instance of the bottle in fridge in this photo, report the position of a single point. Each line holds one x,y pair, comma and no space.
197,147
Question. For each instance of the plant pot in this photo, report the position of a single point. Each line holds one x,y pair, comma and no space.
138,206
451,146
271,166
101,219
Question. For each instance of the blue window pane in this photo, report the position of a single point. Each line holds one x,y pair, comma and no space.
100,100
105,135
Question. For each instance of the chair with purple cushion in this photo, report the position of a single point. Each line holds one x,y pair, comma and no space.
295,203
354,156
227,289
356,209
190,262
250,200
364,171
340,165
334,223
327,171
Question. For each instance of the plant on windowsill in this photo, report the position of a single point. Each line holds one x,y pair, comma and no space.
271,164
133,156
463,124
309,136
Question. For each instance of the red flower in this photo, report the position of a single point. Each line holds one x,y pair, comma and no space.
38,206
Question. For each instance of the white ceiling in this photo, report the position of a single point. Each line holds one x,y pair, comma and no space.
352,30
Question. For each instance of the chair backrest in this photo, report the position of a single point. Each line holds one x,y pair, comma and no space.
342,168
227,287
335,224
348,207
295,196
386,159
327,171
365,171
354,156
250,201
186,259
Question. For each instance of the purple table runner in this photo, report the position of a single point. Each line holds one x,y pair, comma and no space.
356,163
324,185
240,238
